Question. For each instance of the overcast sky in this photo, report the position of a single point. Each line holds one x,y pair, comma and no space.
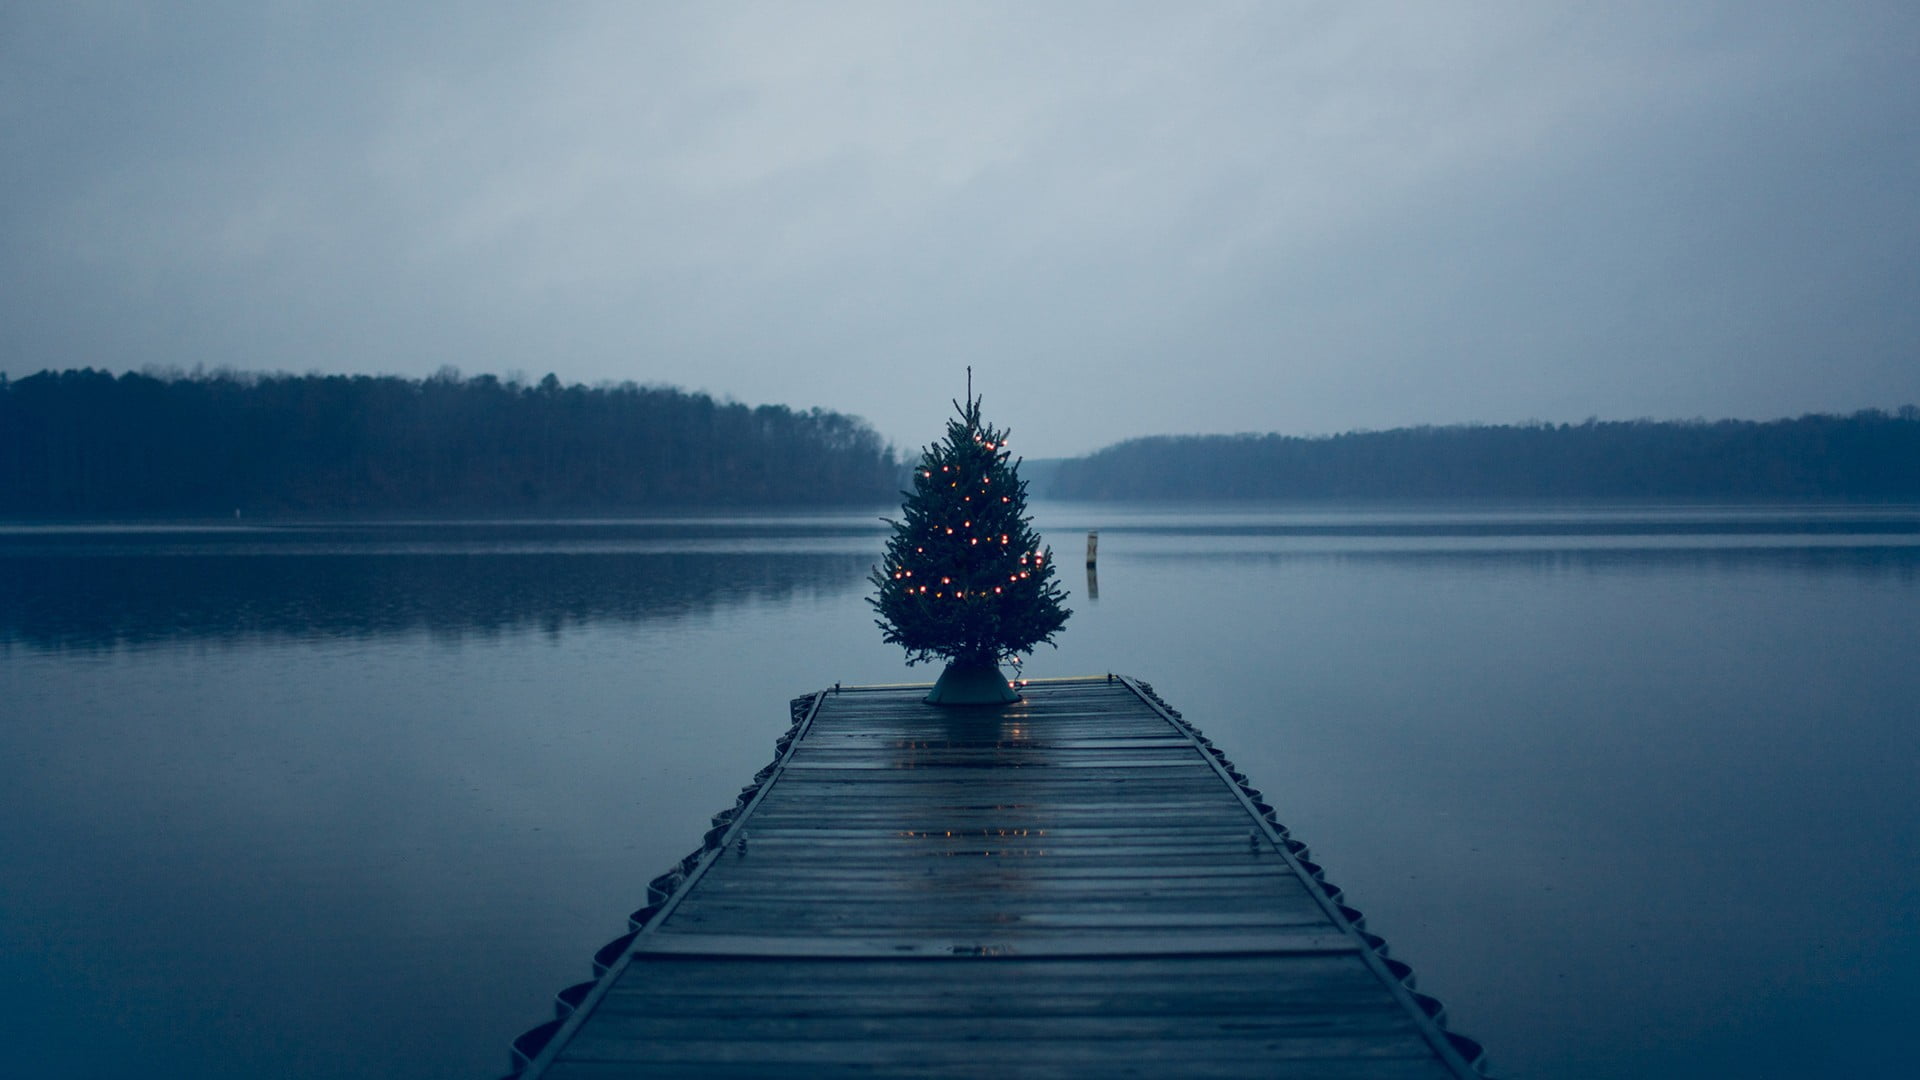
1131,219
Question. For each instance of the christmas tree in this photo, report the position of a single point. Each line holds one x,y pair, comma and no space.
965,577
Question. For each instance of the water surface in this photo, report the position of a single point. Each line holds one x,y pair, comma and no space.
1633,788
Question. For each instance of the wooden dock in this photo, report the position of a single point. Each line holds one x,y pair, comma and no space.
1078,884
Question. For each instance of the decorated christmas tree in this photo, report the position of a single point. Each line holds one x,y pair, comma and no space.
965,577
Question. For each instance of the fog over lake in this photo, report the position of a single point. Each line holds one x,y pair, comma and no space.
1633,788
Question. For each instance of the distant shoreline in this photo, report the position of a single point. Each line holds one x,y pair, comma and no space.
89,445
1870,456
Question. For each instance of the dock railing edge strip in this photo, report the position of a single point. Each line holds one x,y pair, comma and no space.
712,853
1430,1027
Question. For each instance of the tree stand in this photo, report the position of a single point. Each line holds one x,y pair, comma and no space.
971,683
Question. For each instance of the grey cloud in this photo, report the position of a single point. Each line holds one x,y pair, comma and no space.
1129,218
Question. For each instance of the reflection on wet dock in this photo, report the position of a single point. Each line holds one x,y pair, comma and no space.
1075,884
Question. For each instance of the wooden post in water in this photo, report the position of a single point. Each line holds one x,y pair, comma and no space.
1093,548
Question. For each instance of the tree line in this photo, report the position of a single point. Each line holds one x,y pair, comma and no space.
1868,455
88,443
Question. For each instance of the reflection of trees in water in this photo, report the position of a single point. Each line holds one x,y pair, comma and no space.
1893,563
106,601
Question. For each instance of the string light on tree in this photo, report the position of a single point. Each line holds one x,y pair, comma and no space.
996,599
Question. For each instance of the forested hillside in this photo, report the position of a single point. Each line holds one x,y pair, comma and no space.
1868,455
89,443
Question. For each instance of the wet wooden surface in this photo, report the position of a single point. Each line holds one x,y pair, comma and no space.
1067,886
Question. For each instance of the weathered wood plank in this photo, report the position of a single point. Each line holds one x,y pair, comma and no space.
959,1069
1325,970
1040,874
903,1054
998,985
995,941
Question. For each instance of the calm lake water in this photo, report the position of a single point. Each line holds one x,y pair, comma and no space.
1635,790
